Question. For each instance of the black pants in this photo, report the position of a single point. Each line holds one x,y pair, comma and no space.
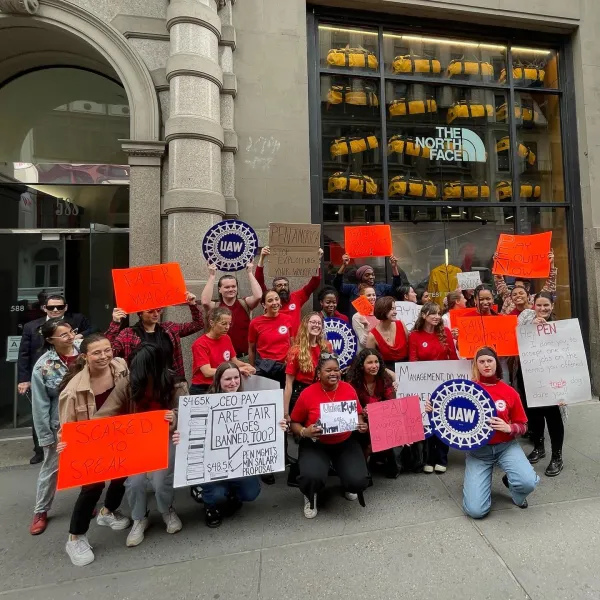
198,388
87,500
538,417
437,452
36,443
347,459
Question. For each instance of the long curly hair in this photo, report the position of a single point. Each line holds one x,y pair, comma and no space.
431,308
356,373
301,348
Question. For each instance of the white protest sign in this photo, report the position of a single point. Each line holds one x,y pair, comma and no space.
408,313
337,417
554,363
422,378
12,348
229,435
468,281
256,383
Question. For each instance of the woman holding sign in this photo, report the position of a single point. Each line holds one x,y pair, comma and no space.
150,385
362,324
317,449
389,336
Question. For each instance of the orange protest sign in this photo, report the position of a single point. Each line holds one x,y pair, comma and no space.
111,448
523,255
363,306
498,332
368,240
456,313
144,288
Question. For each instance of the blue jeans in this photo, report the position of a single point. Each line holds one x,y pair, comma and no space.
245,489
477,487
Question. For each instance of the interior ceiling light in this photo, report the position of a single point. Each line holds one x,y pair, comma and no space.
328,28
530,50
463,43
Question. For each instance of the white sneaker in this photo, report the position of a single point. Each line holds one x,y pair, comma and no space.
136,535
427,469
440,469
115,520
79,551
350,496
172,521
310,513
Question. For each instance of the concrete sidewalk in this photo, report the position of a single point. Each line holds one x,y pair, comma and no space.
411,541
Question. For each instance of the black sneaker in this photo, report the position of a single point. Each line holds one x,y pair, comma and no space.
536,454
268,479
212,517
555,466
37,458
525,503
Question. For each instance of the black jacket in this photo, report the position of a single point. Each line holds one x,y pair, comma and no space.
32,342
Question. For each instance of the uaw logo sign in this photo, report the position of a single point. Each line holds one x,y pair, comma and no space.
461,410
342,339
454,144
230,245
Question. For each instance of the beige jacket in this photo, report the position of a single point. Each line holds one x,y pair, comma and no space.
76,402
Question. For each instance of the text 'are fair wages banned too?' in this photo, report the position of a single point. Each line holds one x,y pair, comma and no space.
523,255
294,249
114,447
145,288
229,435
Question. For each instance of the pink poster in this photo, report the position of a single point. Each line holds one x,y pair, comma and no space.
395,423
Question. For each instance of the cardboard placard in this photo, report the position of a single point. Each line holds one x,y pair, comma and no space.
294,249
523,255
363,306
113,447
408,313
145,288
368,240
554,363
498,332
469,281
394,423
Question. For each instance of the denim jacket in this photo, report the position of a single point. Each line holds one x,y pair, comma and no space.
47,375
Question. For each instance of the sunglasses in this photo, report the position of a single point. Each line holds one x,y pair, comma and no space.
56,307
329,356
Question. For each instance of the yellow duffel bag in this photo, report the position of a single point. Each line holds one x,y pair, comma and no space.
340,93
528,114
416,188
458,190
526,75
352,145
467,110
503,145
357,58
412,63
403,107
406,145
351,182
528,190
470,67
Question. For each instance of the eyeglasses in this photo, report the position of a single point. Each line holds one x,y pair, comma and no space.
315,323
65,336
56,307
329,356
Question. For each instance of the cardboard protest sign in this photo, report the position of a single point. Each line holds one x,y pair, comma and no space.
229,435
469,281
363,306
114,447
422,378
294,249
498,332
394,423
368,240
145,288
230,245
554,363
338,417
523,255
408,313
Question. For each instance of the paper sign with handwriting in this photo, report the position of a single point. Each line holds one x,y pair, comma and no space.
294,249
468,281
554,363
145,288
408,313
113,447
498,332
368,240
338,417
229,435
394,423
523,255
363,306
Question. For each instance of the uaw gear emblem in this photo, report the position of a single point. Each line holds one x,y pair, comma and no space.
342,339
461,410
230,245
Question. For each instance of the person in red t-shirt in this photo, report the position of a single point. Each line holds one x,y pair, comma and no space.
318,451
240,307
291,302
389,336
328,299
213,348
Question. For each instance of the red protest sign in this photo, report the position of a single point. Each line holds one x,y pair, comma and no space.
363,306
145,288
498,332
111,448
368,240
395,423
523,255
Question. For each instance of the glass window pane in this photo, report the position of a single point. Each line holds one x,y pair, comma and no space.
442,142
346,48
40,276
533,67
538,220
458,60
